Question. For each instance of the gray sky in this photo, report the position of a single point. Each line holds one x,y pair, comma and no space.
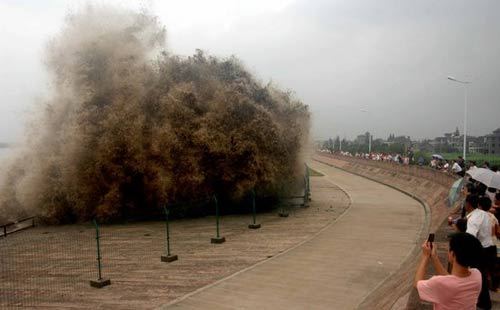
389,57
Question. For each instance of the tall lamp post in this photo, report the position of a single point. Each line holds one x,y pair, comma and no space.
464,83
369,143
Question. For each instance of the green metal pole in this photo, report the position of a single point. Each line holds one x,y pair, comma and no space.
253,207
218,239
308,188
254,224
306,193
98,249
169,257
100,282
168,230
217,216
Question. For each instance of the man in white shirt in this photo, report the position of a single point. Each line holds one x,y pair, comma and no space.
456,168
478,225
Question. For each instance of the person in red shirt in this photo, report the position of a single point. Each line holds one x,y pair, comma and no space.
458,290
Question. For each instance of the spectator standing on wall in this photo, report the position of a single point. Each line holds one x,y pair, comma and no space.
421,161
456,168
446,165
461,162
458,290
485,205
478,225
472,164
496,206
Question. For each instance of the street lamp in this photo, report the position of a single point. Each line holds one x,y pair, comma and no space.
464,83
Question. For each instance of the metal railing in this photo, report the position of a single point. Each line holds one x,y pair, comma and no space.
46,265
18,225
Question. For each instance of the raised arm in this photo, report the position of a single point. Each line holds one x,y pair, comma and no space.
440,270
422,266
424,260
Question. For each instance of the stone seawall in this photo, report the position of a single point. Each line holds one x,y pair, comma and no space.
430,188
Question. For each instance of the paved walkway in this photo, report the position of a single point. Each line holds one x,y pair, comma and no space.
339,267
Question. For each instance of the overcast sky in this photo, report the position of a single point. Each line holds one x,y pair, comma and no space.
388,57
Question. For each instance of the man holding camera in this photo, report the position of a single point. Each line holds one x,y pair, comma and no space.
458,290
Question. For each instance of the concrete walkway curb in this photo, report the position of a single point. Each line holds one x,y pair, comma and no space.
175,301
339,267
410,259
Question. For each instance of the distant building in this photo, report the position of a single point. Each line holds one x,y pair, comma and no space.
362,139
425,145
405,140
477,145
493,142
443,144
454,142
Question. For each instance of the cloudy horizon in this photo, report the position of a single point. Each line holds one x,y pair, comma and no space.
378,66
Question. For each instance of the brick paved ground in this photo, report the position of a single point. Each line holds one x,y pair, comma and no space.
338,268
50,266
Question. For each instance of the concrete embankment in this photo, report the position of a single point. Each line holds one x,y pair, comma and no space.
430,188
340,267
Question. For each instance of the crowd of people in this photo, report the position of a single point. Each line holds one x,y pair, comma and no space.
386,157
472,253
458,166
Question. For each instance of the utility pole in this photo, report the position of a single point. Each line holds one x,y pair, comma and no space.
464,83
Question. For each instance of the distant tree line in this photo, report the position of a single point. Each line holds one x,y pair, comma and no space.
378,145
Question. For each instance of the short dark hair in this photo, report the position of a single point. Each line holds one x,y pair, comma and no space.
461,224
472,200
494,168
466,248
485,203
481,189
471,188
